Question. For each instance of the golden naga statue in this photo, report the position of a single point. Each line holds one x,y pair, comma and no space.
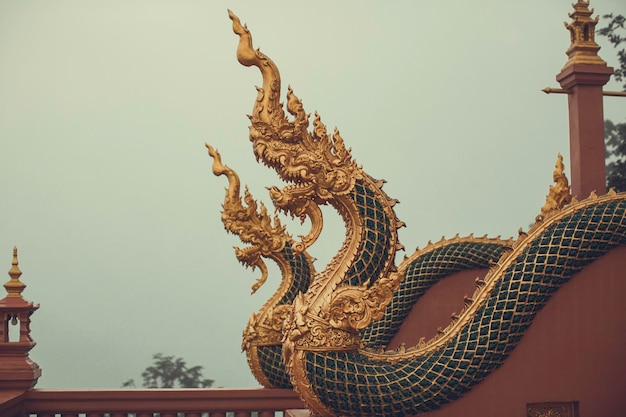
324,333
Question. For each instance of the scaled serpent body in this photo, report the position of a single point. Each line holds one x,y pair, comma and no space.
334,330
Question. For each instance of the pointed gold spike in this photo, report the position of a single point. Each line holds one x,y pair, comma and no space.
14,287
559,194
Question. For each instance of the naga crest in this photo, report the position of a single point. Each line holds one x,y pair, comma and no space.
315,164
252,224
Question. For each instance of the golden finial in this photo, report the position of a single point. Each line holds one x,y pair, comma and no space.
559,194
583,48
15,287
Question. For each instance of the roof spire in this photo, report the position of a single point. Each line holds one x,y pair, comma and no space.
17,370
15,287
583,48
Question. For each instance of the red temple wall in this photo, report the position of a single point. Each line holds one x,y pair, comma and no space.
574,351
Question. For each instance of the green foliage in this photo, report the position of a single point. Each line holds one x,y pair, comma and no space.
171,372
615,140
616,34
615,133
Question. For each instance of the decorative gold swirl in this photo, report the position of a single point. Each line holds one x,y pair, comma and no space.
306,331
265,329
354,308
267,107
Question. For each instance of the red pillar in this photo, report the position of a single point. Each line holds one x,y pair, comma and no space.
586,126
582,77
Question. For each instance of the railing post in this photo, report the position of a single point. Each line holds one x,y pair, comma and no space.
17,370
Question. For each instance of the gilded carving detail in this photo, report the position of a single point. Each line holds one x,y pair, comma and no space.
265,329
252,224
583,48
304,330
560,409
317,164
354,308
559,194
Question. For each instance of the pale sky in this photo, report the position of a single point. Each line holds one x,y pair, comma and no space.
108,192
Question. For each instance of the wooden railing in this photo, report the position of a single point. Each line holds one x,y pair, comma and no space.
152,402
12,403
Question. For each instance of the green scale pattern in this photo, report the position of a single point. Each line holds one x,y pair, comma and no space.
273,366
271,357
302,272
375,245
421,274
350,384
